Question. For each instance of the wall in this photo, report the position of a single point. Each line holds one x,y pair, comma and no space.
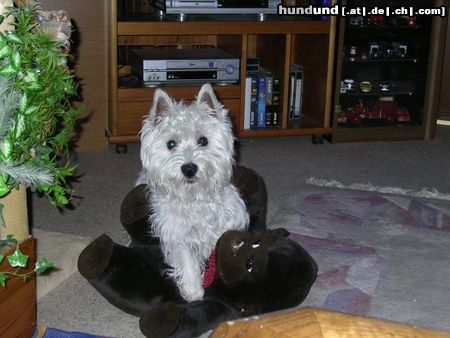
90,19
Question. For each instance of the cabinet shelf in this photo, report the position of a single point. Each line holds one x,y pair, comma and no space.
385,27
285,132
407,110
359,61
377,93
381,134
223,27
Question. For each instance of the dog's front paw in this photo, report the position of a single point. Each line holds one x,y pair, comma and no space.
192,294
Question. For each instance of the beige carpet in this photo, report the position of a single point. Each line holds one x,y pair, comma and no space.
61,249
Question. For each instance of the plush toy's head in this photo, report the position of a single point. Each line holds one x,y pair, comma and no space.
264,269
242,256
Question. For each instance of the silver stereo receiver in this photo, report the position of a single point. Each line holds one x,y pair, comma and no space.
217,6
183,66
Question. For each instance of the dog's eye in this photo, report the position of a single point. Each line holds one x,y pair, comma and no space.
171,144
250,265
202,141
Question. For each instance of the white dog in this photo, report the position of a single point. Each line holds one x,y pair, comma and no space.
187,157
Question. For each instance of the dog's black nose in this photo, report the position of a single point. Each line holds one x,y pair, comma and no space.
189,169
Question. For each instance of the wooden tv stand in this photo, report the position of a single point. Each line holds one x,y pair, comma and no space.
277,42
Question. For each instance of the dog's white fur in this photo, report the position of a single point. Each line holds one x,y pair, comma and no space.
189,214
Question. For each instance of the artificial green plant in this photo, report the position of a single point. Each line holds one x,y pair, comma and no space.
37,89
19,261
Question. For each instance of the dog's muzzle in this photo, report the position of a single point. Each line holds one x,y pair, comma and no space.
189,169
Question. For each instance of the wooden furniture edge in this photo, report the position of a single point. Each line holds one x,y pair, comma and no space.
18,298
435,63
223,27
315,322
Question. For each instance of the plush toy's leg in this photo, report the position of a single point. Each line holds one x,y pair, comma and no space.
94,259
160,322
129,278
186,320
253,191
134,216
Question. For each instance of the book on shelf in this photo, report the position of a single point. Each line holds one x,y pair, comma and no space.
296,84
262,97
262,100
247,102
251,101
269,98
275,106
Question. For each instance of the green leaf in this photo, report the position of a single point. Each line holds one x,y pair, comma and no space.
9,241
3,279
24,102
13,37
31,76
35,87
8,70
1,258
62,200
4,189
16,59
6,148
18,259
5,51
1,19
20,126
43,264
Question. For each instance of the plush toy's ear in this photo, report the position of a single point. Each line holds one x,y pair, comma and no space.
206,96
162,104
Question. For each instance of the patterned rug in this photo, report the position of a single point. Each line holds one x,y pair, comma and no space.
381,255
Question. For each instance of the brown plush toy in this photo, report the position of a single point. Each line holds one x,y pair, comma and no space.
251,272
255,273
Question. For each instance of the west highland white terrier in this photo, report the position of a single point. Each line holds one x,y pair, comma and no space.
187,154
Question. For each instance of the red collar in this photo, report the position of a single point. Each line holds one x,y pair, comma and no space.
210,270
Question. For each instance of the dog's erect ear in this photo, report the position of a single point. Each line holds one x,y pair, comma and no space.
206,95
162,103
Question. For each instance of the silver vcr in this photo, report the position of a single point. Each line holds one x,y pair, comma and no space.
215,7
159,66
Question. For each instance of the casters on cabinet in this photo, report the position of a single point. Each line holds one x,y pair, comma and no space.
121,148
317,139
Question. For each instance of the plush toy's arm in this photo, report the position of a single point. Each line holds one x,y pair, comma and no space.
253,191
134,215
187,320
